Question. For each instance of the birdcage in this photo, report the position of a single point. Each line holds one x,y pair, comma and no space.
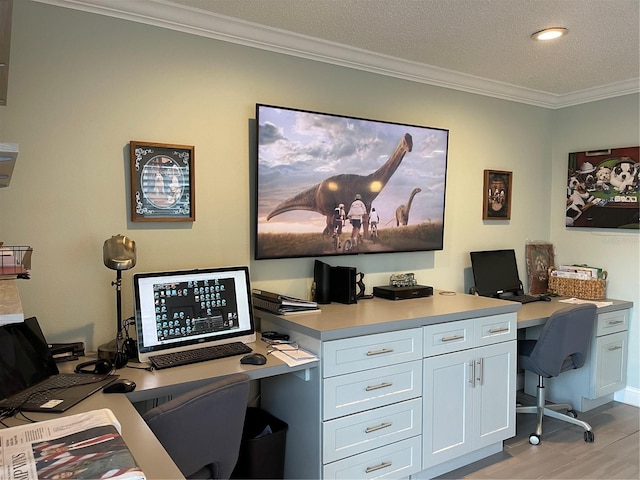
15,261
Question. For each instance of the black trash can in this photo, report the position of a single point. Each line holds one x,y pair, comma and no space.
262,447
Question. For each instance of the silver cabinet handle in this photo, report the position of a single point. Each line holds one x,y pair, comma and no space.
377,427
480,371
472,375
379,352
451,338
618,347
615,322
376,387
378,467
499,330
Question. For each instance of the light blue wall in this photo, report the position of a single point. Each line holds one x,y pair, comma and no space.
82,86
596,125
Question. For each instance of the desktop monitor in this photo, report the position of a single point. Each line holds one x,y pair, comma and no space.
183,310
495,272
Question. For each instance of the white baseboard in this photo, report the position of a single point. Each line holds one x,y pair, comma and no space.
630,396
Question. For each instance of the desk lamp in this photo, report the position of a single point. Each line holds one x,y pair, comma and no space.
118,253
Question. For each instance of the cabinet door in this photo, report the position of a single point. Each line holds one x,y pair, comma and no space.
447,393
494,401
610,366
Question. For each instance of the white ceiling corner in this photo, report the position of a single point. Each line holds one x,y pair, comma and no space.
582,70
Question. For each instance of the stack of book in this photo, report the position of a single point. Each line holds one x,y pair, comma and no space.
578,272
281,304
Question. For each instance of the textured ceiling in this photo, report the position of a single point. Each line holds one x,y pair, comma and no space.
481,46
485,38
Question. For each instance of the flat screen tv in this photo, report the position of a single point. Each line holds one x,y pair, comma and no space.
311,168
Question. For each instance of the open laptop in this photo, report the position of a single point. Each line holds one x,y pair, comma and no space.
177,311
495,273
29,377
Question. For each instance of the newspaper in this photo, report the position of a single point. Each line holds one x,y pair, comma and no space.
83,446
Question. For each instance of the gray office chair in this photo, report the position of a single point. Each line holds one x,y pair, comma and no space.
201,430
563,345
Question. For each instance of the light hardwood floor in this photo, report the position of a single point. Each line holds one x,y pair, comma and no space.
563,453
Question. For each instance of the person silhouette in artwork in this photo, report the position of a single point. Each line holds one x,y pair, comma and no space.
496,198
356,212
174,186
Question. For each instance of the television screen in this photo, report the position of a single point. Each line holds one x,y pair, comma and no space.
335,185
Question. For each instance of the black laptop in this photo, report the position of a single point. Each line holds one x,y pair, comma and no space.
29,377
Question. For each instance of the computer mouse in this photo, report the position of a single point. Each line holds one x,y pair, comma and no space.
545,298
254,359
121,385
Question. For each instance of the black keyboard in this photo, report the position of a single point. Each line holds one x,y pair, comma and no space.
203,354
523,298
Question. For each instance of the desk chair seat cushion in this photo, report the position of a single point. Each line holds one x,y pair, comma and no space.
563,343
202,429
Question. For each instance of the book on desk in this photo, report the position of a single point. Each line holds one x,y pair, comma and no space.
281,304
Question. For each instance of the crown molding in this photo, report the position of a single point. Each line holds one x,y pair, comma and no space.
167,15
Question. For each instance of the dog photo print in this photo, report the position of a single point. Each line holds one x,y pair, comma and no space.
602,188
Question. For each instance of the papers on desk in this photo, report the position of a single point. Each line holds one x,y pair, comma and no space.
85,445
578,301
291,354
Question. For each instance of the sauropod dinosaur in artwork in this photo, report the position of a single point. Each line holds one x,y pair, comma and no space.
402,212
326,195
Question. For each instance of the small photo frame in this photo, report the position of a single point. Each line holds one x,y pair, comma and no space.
497,195
162,182
540,258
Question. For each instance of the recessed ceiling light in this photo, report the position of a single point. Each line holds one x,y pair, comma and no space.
550,33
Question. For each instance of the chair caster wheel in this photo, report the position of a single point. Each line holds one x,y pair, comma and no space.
589,437
572,413
535,439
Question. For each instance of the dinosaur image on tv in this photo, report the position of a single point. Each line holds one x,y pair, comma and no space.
312,166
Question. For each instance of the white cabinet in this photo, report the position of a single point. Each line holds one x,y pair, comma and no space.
603,373
468,390
372,405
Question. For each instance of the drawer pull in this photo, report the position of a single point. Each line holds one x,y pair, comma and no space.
379,352
611,349
377,427
378,467
499,330
615,322
376,387
451,338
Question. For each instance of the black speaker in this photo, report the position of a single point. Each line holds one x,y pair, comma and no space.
100,366
322,279
343,285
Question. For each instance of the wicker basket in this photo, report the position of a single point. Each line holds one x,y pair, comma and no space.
585,289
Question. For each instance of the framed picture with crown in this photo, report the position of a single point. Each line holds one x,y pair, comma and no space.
497,195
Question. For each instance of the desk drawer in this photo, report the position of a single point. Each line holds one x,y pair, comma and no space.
398,460
612,322
355,392
495,329
353,434
371,351
448,337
